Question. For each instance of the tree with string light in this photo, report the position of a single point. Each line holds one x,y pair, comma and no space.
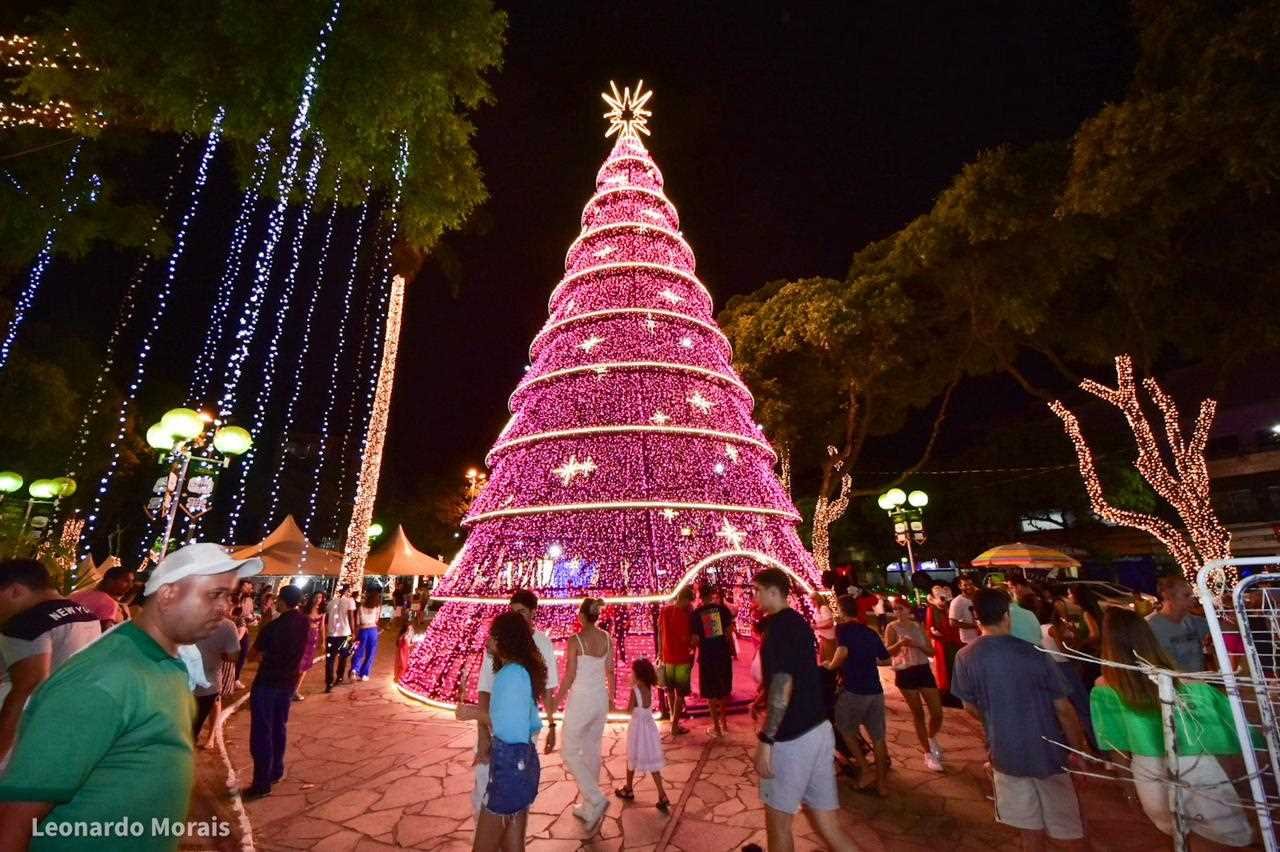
1177,471
632,465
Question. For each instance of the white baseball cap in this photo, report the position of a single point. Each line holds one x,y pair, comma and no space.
196,560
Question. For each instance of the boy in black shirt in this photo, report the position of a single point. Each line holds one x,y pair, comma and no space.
797,745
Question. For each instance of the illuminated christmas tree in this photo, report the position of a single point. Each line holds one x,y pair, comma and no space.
631,465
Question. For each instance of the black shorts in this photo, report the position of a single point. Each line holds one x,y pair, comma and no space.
914,677
715,679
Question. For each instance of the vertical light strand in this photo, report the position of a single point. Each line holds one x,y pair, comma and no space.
361,343
66,204
148,332
357,546
124,316
245,464
202,374
273,489
382,276
339,351
275,222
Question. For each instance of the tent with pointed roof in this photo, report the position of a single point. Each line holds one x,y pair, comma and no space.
282,553
399,558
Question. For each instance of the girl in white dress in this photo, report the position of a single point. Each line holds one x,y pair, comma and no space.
588,687
644,747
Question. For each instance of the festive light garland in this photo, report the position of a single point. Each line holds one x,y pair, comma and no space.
295,392
148,332
202,374
377,360
631,465
357,547
54,115
124,316
66,206
629,504
263,401
1186,487
313,498
20,51
275,221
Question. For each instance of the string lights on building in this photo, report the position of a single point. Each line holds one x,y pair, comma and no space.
147,333
1185,486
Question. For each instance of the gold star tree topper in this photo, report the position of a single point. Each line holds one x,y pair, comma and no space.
626,110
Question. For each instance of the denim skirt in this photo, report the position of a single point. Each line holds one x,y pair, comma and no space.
513,777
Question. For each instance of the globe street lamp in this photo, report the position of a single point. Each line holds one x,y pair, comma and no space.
907,513
41,492
183,436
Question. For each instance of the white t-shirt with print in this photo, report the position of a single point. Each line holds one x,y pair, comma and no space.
962,610
336,616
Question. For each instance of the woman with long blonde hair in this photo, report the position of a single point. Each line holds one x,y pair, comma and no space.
587,695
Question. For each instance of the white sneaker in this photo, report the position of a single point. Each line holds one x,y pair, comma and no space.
932,763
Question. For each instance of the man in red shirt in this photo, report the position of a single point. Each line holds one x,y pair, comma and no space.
675,650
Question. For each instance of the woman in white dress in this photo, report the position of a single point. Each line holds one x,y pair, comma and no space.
588,687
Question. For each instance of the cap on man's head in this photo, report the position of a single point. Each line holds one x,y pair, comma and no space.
197,560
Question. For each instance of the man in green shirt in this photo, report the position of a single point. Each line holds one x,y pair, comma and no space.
104,752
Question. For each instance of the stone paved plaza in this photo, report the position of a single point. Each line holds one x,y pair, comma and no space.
370,769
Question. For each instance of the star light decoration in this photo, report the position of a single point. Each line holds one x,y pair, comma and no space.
731,535
627,114
573,468
701,403
590,343
671,296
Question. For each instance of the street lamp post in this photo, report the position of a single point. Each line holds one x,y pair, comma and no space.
41,492
907,513
183,436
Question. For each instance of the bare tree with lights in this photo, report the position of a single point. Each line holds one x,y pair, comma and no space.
1177,470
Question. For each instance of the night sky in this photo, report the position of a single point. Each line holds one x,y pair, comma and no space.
790,135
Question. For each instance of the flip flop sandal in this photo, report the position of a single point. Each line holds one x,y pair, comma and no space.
664,805
625,793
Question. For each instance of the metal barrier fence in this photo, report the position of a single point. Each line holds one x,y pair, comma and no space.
1246,641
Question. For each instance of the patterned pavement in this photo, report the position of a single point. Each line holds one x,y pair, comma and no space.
369,769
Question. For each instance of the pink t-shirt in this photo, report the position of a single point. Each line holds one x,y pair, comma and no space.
99,603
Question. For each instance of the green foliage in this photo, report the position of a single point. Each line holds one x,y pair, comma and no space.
393,68
1154,231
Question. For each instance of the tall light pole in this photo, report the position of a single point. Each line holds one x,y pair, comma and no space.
907,513
184,436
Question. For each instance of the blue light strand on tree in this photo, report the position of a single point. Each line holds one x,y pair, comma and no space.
148,332
313,499
273,489
67,203
263,402
275,223
124,316
202,374
383,278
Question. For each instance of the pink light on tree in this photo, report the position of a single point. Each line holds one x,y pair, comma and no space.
631,465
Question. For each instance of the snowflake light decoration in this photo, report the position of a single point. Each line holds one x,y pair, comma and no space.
573,468
590,343
701,403
659,418
627,114
731,535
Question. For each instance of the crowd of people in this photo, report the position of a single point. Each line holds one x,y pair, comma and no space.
106,692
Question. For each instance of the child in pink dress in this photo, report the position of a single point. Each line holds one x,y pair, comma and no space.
644,747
